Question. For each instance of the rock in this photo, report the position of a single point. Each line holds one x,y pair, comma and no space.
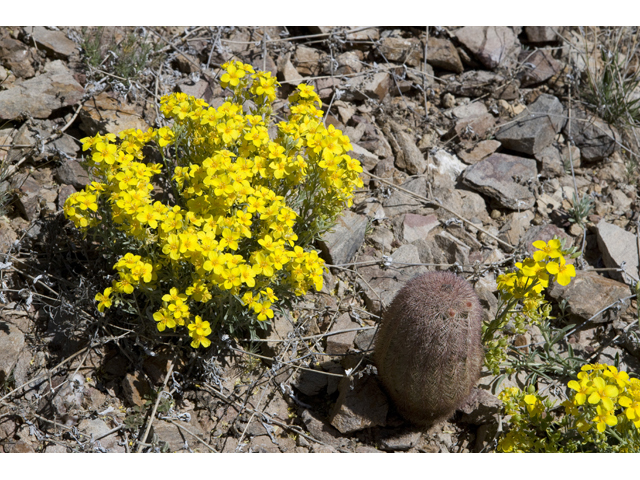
64,192
381,237
178,439
327,86
442,54
551,160
349,62
398,439
618,246
366,158
11,345
310,383
386,282
71,172
341,343
538,67
17,57
516,225
104,114
542,34
476,83
343,241
492,46
361,404
588,293
200,89
366,35
410,158
95,429
319,429
473,109
479,151
503,178
38,97
594,137
399,202
417,226
473,127
289,74
7,235
454,250
447,164
135,388
374,86
535,128
481,408
307,60
401,50
464,202
373,141
54,42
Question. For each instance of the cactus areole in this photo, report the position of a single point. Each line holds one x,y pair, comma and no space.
428,350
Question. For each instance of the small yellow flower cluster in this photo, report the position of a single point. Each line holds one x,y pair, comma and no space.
603,397
525,287
229,211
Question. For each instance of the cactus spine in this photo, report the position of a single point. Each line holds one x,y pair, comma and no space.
428,350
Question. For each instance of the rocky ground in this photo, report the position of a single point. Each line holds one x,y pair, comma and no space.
468,158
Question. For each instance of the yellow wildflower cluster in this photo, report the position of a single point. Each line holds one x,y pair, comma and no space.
602,414
227,210
522,296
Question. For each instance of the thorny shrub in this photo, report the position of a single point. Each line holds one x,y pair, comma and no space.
601,415
210,218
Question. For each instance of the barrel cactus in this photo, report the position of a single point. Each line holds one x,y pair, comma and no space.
428,350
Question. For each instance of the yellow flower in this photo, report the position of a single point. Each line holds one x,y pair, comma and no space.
550,250
603,393
103,298
605,417
563,271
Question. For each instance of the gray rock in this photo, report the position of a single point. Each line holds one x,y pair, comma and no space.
538,67
320,429
472,109
400,202
479,151
464,202
71,172
473,127
542,34
398,440
11,344
503,177
588,293
535,128
446,165
341,343
200,89
54,42
349,62
361,404
307,60
481,408
618,246
364,156
17,57
492,46
38,97
343,241
310,383
374,87
454,249
417,226
441,53
594,137
551,160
